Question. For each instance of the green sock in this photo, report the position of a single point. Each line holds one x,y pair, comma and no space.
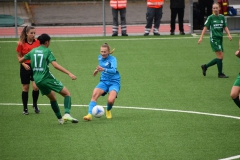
213,62
219,65
236,101
56,109
67,104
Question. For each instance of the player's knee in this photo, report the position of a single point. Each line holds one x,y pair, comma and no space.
233,95
35,88
52,96
65,92
25,87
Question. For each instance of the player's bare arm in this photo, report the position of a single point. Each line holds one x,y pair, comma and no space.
237,53
95,72
19,56
21,59
99,68
201,37
228,33
62,69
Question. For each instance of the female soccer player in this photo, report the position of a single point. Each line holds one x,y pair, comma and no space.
40,58
236,86
26,43
109,81
215,23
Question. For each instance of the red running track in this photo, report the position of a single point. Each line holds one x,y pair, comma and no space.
73,31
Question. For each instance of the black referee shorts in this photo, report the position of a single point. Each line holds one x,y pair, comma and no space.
26,75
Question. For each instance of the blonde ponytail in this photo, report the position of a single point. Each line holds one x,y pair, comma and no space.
112,51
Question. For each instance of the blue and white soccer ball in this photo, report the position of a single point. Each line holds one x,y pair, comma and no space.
98,111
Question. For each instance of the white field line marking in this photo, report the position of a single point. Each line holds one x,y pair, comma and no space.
130,39
231,158
139,108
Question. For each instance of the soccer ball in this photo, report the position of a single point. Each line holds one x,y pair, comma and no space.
98,111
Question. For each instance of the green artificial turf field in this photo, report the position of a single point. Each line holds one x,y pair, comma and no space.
166,108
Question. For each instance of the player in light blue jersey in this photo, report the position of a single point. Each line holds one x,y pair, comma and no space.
109,81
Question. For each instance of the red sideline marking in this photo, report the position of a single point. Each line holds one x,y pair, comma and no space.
86,30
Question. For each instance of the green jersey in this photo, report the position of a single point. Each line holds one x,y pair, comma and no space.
40,58
216,24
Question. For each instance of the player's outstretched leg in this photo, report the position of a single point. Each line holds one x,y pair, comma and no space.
88,117
68,117
67,109
57,112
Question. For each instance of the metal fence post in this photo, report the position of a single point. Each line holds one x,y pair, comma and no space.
191,16
104,23
15,13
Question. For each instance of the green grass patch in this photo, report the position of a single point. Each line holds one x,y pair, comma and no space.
157,73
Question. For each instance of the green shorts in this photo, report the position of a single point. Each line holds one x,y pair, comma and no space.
216,44
237,81
48,85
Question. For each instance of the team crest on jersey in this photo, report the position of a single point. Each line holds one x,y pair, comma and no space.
221,21
107,64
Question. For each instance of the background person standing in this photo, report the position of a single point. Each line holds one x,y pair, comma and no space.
203,5
177,8
154,13
119,6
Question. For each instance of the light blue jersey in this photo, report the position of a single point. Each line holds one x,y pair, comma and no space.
110,72
109,79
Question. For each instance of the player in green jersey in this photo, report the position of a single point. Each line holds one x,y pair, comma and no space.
236,86
216,23
40,58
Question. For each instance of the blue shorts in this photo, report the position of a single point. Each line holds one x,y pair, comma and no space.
107,86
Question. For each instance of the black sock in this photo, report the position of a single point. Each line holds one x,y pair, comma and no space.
35,95
25,100
236,101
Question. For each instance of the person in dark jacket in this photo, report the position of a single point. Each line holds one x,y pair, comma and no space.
203,5
177,8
